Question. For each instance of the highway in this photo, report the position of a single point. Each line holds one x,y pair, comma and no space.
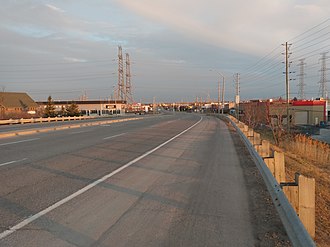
168,180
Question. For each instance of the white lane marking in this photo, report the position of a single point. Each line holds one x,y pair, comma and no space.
10,143
110,137
79,132
88,187
11,162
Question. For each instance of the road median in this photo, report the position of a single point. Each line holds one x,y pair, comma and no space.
58,128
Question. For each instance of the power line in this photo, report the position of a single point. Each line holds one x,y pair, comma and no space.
312,28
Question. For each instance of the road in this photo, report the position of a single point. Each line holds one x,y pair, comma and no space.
170,180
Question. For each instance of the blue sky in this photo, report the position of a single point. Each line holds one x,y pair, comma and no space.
66,48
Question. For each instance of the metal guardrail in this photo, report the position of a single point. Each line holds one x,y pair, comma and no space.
42,120
296,231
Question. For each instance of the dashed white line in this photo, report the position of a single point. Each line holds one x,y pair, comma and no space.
110,137
11,162
88,187
27,140
79,132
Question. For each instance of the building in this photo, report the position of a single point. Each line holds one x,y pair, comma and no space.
91,107
15,104
301,112
309,112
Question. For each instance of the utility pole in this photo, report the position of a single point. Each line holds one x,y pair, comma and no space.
323,91
237,98
287,65
223,91
121,83
301,75
154,105
219,97
128,91
223,94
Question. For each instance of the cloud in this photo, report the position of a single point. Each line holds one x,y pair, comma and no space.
54,8
75,60
244,26
171,43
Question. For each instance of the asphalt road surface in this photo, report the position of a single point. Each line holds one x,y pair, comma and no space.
170,180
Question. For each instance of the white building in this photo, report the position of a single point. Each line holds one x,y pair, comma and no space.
92,107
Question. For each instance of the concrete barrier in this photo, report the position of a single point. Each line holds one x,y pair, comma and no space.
41,120
42,130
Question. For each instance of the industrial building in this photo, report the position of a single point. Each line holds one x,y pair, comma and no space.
301,112
92,107
310,112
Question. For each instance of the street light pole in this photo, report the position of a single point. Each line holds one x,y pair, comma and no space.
223,91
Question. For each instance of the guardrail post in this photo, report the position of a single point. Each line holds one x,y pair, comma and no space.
241,126
264,149
256,139
250,135
307,203
21,121
292,193
276,166
301,195
279,167
270,162
245,129
48,119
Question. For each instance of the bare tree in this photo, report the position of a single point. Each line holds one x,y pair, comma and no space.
275,115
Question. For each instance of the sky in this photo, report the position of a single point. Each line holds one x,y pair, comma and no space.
179,50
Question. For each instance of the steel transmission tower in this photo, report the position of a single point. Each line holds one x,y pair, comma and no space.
121,83
128,91
323,91
301,75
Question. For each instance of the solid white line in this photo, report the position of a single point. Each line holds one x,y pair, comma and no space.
11,162
10,143
110,137
88,187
